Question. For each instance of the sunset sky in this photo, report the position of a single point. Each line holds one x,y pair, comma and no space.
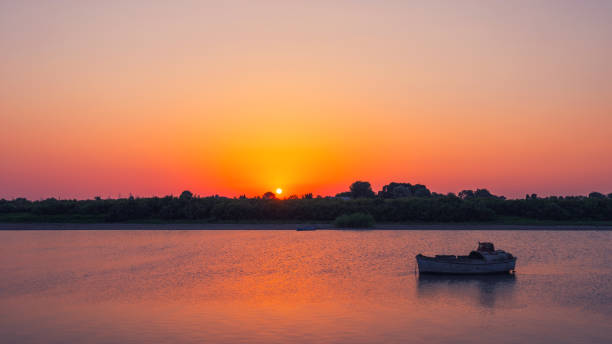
110,98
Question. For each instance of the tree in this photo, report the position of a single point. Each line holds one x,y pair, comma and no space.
401,192
186,195
420,191
466,194
596,195
483,193
360,189
388,191
269,195
307,196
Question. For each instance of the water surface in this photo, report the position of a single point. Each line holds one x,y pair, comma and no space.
302,287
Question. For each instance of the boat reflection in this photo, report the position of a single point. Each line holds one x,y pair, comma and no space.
487,290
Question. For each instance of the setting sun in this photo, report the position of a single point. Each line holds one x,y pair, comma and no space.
279,191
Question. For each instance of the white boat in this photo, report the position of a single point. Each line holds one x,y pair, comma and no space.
485,260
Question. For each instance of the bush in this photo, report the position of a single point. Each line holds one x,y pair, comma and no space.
355,220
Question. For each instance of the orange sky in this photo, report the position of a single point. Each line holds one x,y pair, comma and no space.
153,98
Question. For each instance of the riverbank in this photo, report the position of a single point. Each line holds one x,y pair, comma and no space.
286,226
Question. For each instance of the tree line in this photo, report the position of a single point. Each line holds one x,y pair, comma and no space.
396,202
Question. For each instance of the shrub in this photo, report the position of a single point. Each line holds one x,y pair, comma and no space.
355,220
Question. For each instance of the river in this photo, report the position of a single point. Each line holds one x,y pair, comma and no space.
325,286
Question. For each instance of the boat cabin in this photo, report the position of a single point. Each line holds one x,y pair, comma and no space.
486,247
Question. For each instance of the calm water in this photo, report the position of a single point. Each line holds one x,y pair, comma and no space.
303,287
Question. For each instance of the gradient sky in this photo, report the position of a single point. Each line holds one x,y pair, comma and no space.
229,97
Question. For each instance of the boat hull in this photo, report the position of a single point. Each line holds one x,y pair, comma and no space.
428,265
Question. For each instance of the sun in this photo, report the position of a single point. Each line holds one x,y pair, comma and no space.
279,191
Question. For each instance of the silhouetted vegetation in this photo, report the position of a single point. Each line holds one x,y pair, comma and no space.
403,190
396,202
356,220
269,195
361,189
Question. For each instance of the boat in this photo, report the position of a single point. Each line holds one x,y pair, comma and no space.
306,228
485,260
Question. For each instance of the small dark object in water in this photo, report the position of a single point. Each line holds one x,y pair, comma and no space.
306,228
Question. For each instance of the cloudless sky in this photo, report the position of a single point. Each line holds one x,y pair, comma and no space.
231,97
